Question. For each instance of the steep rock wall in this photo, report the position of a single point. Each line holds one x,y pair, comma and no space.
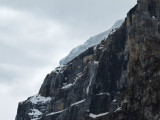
115,80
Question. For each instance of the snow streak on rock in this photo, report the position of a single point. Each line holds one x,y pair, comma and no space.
91,72
96,116
53,113
67,86
103,94
78,102
39,99
35,113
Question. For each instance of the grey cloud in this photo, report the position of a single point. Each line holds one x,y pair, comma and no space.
90,15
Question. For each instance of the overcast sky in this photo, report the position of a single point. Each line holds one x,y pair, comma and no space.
36,34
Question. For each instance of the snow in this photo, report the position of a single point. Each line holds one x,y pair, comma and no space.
78,102
60,69
35,113
91,71
35,118
53,113
96,62
39,99
79,75
90,81
156,74
153,17
95,40
95,47
103,94
67,86
96,116
100,47
124,101
118,109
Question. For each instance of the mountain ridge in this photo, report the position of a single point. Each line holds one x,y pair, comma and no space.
95,40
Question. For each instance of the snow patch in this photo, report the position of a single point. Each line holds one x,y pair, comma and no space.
124,101
53,113
79,75
35,118
67,86
118,109
78,102
156,74
96,62
103,94
99,115
87,90
91,72
58,112
35,113
60,69
95,47
100,47
153,17
39,99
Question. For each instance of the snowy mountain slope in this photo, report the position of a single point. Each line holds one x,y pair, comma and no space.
95,40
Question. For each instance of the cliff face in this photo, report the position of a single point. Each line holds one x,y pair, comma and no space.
119,79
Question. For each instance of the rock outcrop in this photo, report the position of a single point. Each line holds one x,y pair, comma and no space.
119,79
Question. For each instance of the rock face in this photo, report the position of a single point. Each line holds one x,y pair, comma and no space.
119,79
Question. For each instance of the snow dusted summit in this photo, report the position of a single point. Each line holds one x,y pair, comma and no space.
95,40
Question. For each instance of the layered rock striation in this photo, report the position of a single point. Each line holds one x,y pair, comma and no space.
119,79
